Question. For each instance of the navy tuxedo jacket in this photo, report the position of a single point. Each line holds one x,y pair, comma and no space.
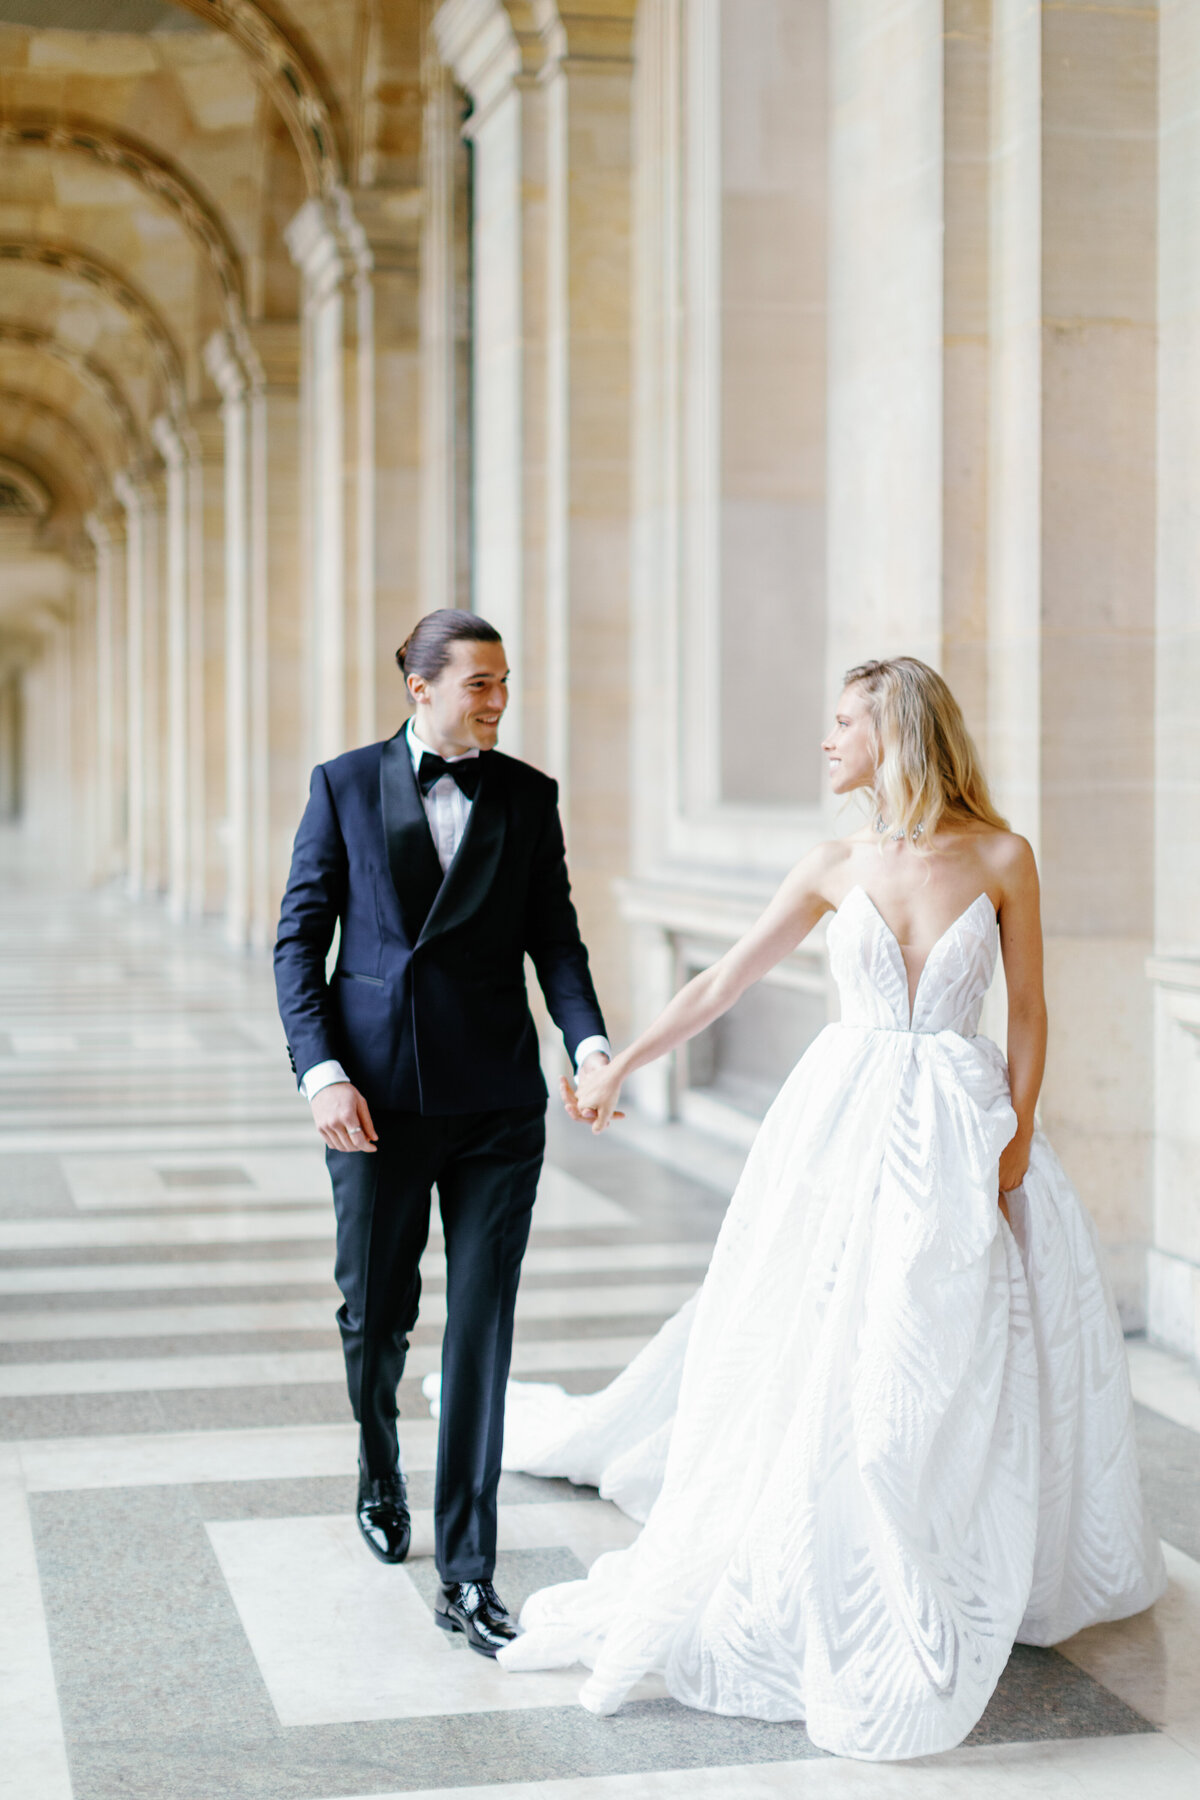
427,1010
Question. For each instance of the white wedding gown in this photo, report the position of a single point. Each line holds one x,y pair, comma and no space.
889,1436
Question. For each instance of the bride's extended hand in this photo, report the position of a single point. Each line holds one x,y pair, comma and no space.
593,1100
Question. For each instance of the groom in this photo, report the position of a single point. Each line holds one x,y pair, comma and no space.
442,861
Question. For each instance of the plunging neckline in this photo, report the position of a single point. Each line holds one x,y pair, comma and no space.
933,948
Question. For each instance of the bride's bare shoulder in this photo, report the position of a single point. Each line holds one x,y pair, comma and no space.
1008,857
821,872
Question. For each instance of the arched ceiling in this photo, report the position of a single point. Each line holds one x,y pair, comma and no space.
152,153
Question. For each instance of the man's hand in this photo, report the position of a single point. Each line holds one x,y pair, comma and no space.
342,1117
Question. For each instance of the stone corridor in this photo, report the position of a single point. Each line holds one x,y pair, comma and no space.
186,1612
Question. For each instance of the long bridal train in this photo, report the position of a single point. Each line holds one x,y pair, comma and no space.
890,1435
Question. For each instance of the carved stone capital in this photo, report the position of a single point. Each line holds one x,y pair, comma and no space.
489,46
327,244
226,368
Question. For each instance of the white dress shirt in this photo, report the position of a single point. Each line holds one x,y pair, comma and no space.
448,809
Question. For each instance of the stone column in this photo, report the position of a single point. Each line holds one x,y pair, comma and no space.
141,589
154,632
230,378
1173,1301
177,733
391,425
206,658
445,350
108,540
586,78
495,53
1074,129
81,771
966,355
328,247
278,768
885,331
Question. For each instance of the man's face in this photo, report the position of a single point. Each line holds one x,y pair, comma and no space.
461,709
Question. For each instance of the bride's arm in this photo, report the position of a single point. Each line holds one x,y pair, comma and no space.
788,919
1021,946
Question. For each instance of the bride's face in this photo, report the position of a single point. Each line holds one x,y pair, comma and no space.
850,746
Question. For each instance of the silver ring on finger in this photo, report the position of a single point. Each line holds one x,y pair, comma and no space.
356,1131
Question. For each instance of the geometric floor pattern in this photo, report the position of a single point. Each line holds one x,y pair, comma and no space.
186,1611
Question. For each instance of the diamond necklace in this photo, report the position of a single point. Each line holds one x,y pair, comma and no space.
897,837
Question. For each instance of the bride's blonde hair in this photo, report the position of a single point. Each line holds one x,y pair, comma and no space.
929,770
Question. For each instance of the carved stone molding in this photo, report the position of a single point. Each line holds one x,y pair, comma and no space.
152,171
288,75
20,399
487,46
83,266
91,373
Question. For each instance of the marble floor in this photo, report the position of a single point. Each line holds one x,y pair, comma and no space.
185,1610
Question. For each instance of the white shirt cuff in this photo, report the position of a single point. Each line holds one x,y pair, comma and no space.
584,1050
319,1076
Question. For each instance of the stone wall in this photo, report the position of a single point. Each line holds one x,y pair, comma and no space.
706,346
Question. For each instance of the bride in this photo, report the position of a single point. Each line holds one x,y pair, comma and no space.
892,1433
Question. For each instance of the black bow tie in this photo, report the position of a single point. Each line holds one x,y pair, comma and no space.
465,773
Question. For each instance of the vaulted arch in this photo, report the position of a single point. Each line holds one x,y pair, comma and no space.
15,400
155,173
84,266
289,70
90,372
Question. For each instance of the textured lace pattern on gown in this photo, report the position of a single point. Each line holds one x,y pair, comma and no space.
889,1435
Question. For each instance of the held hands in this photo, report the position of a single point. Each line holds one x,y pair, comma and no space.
593,1099
342,1117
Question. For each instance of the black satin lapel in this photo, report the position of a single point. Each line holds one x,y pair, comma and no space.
412,859
470,876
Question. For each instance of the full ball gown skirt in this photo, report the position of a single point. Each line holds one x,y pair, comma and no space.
890,1435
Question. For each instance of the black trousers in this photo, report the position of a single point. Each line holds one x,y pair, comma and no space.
485,1167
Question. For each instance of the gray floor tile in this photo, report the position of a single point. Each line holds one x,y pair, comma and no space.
1170,1458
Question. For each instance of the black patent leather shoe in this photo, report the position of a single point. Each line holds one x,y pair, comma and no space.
475,1609
383,1517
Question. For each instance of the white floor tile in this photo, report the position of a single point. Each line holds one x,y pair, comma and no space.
66,1138
52,1465
100,1183
100,1278
1153,1661
197,1320
34,1758
98,1232
288,1368
293,1271
353,1639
